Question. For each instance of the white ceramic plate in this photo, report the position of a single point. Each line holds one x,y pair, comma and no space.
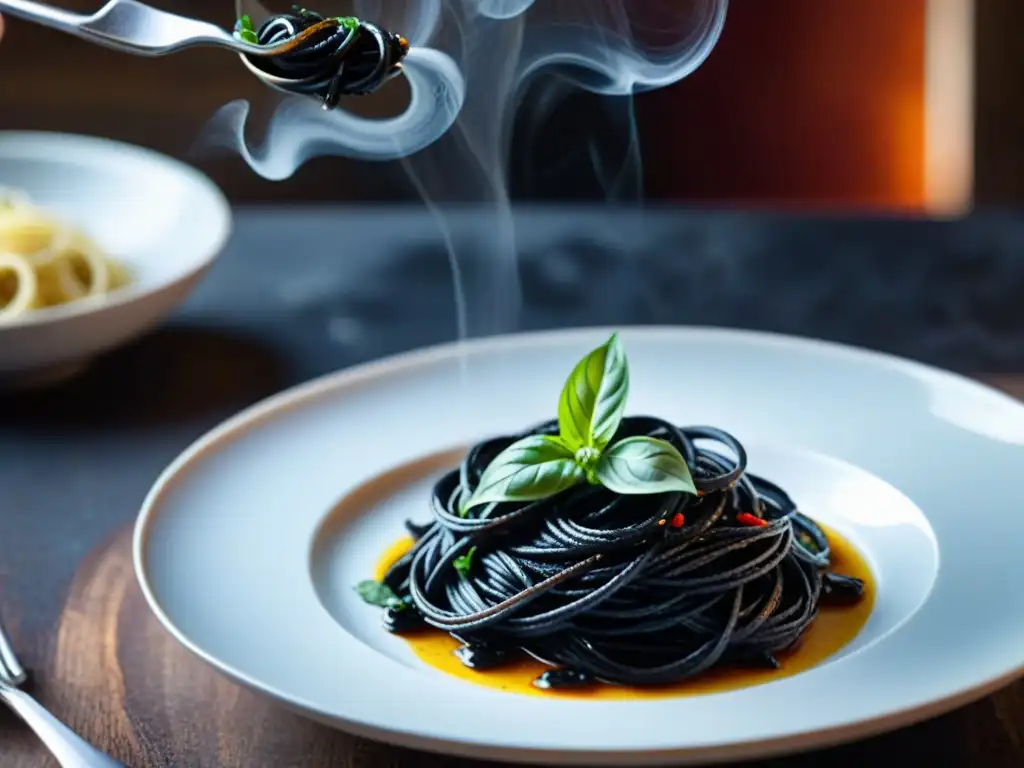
163,219
249,544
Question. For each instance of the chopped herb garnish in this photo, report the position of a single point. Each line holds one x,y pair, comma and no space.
463,563
379,594
348,22
246,31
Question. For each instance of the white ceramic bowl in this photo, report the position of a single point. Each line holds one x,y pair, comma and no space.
164,220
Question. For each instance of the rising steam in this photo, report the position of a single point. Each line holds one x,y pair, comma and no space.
467,69
605,46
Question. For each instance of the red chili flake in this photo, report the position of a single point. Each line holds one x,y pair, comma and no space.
678,520
745,518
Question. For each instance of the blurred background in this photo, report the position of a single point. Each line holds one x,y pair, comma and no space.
908,106
813,176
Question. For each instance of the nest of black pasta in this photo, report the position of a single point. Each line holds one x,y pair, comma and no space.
628,589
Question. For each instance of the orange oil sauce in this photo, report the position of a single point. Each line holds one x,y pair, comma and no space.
834,627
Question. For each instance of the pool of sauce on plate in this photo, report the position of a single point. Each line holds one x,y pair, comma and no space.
835,626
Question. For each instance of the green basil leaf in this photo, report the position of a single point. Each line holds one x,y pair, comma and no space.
594,397
533,468
379,594
640,465
245,30
463,563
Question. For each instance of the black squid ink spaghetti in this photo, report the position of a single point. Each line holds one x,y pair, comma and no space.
329,57
614,549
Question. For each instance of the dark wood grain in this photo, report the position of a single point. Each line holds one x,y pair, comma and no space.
111,672
999,108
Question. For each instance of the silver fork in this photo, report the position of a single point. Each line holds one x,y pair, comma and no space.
68,747
133,27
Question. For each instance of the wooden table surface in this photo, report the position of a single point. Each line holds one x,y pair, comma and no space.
74,465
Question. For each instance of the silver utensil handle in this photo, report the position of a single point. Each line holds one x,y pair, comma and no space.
134,27
10,669
68,747
41,13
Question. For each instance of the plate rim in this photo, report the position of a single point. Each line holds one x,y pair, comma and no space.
235,426
129,294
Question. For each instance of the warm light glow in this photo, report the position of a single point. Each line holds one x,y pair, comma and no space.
949,105
802,104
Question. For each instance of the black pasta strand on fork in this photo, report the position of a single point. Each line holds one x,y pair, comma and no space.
330,57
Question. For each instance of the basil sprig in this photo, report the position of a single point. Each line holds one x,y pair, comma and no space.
380,594
590,410
245,30
464,563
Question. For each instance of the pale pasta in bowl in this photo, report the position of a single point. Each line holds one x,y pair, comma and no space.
99,242
45,262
